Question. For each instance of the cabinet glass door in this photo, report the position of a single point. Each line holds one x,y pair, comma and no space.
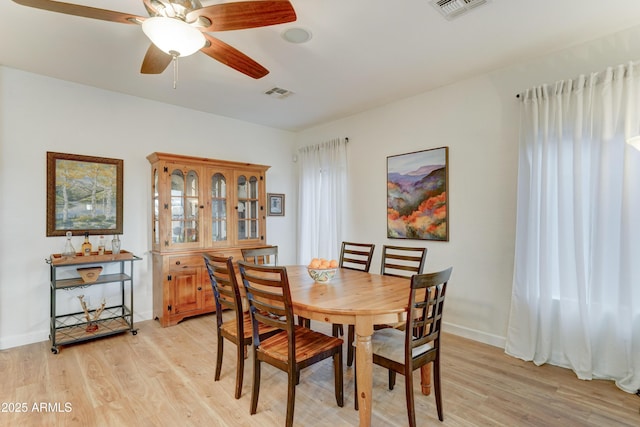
156,210
184,207
218,207
248,208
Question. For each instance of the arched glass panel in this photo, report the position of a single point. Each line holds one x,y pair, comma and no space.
218,207
248,208
184,206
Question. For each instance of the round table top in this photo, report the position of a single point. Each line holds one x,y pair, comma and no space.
350,292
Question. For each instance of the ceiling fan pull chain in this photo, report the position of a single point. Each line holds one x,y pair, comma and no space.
175,69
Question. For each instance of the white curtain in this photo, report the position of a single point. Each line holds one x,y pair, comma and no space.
576,287
323,183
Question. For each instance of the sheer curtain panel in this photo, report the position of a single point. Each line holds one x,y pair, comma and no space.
576,287
323,183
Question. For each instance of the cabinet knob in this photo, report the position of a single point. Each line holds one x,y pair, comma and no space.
200,288
177,262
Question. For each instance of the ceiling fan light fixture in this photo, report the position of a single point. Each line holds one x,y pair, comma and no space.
173,36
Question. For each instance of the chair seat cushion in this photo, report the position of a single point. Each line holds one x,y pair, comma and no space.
389,343
309,343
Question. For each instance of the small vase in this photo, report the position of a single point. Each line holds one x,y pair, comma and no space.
115,245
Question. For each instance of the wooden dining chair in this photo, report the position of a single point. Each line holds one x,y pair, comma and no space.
402,261
354,256
295,347
265,256
237,330
399,261
268,256
405,351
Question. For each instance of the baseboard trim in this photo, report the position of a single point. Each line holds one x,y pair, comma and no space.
24,339
474,334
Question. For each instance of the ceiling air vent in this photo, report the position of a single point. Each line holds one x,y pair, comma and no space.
279,93
451,9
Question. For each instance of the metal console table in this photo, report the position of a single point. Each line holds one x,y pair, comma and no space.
74,327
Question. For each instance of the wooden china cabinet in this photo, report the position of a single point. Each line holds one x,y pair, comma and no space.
198,206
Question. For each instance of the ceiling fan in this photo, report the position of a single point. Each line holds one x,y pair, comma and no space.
190,20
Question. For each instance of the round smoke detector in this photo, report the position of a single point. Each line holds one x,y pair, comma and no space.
296,35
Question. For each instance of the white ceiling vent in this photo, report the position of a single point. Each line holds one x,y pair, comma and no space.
279,93
451,9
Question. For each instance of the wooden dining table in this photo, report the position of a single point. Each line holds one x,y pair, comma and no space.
354,298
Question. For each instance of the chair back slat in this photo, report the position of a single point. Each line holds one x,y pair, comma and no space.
402,261
225,288
269,297
424,319
356,256
262,256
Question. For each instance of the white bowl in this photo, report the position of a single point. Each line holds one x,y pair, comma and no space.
322,275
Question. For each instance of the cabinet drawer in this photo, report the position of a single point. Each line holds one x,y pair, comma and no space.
183,262
233,252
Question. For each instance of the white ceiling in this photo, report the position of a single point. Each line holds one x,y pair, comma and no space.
364,53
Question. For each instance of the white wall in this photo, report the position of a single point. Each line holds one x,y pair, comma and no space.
478,120
39,114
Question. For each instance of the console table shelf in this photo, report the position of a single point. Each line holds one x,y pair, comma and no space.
77,282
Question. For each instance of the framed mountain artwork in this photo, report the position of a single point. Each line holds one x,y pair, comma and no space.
417,195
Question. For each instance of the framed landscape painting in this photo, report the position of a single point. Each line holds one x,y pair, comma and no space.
417,195
84,194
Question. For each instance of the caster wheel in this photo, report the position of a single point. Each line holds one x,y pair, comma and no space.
134,332
54,350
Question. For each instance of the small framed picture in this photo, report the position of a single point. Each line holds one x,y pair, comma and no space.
276,204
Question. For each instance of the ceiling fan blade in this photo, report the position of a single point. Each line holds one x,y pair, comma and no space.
230,56
155,61
244,14
83,11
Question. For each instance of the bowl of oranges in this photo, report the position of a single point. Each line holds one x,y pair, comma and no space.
322,270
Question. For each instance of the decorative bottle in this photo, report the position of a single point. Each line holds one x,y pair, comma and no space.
86,246
101,246
69,251
115,245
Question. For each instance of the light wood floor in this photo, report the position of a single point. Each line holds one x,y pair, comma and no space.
164,377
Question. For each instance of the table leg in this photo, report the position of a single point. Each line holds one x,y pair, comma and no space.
425,378
364,368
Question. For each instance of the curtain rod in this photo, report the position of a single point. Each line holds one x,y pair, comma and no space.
599,73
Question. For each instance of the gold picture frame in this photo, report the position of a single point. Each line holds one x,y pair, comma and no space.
84,194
